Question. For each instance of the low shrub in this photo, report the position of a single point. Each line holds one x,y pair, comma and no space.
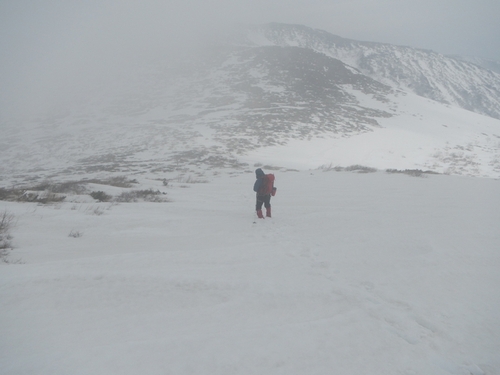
331,167
23,195
360,169
411,172
75,234
10,194
93,210
271,168
352,168
6,223
69,187
101,196
149,195
191,180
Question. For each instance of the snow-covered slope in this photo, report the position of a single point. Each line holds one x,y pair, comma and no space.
423,72
485,63
222,112
422,134
233,119
355,274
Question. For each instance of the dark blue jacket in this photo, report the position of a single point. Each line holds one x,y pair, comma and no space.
258,184
259,174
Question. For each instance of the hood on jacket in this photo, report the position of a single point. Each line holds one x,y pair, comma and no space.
259,173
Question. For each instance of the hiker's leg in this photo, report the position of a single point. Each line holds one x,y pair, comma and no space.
267,201
259,203
267,204
258,206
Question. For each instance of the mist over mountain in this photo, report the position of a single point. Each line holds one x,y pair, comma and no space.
484,63
273,93
286,95
466,84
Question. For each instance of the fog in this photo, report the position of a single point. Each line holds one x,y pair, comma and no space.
56,51
60,52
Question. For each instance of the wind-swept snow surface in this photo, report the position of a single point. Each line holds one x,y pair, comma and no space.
423,135
355,274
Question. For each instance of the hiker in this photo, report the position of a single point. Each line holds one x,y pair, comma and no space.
264,187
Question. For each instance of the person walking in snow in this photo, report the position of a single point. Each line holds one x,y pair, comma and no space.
264,188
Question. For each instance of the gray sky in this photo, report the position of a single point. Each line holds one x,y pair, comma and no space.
46,44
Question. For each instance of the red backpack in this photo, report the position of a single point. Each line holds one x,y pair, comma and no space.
267,184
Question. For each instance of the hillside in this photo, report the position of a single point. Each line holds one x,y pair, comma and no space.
313,98
129,242
425,73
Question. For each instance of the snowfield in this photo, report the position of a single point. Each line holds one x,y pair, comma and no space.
364,269
356,273
422,134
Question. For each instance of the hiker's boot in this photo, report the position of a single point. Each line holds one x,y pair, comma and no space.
268,212
259,214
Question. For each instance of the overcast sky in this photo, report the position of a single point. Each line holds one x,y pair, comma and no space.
44,43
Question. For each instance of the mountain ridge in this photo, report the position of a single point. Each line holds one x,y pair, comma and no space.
424,72
251,104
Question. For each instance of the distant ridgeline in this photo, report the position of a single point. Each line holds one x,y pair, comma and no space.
469,83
